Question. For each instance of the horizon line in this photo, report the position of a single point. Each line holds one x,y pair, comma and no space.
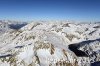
68,20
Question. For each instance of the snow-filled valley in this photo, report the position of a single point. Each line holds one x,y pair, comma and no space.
50,44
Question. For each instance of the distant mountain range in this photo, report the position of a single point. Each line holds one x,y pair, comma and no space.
7,25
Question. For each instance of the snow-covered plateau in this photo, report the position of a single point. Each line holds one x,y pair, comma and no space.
50,44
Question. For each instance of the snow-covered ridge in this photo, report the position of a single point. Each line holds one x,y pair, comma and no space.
50,44
7,25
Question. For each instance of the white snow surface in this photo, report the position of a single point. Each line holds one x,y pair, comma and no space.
46,44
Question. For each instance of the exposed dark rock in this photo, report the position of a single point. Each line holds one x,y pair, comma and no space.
8,55
87,48
18,46
79,53
17,26
95,63
96,27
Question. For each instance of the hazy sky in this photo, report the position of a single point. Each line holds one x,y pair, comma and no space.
82,10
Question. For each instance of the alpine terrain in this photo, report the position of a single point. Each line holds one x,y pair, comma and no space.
49,44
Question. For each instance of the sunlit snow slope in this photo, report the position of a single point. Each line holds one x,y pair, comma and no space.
51,44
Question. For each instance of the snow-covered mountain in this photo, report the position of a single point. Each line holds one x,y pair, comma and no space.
7,25
51,44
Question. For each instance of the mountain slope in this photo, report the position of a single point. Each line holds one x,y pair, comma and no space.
47,44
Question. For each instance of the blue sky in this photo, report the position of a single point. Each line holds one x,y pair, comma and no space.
79,10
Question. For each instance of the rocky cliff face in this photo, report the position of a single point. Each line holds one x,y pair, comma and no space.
51,44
